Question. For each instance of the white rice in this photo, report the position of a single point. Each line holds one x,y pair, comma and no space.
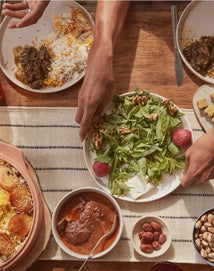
68,53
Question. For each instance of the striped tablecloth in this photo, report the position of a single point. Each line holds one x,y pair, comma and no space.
49,139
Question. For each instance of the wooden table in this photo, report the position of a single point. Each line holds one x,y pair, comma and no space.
144,58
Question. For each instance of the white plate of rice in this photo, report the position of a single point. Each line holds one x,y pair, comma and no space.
69,51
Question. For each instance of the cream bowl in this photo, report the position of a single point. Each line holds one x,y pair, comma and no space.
137,228
65,200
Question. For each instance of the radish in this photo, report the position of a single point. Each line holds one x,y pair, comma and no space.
101,169
182,138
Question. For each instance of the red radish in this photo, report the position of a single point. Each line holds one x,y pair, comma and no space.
101,169
182,138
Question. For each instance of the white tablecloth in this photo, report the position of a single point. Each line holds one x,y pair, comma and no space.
49,139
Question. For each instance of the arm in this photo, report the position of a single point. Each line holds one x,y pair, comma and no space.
199,166
28,12
98,85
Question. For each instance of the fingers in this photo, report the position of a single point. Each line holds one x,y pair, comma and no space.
184,177
85,123
79,114
20,11
87,117
186,180
14,13
16,6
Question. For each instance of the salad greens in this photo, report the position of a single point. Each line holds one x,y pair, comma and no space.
137,139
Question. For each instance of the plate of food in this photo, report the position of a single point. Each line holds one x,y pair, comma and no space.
136,151
195,39
50,55
203,103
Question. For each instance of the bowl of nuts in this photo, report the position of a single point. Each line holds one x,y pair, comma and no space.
151,236
203,236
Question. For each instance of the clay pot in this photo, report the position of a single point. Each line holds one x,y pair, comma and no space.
41,227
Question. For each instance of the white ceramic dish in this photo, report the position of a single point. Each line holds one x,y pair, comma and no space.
168,183
9,38
69,196
203,92
193,237
136,240
196,21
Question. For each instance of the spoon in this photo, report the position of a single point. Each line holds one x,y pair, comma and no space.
113,228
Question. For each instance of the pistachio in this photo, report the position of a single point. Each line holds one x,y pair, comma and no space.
210,218
207,224
204,218
203,253
211,229
198,243
204,243
208,250
205,235
203,228
210,237
210,255
198,224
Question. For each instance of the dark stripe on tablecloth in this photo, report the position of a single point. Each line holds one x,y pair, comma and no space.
39,125
129,239
50,147
61,168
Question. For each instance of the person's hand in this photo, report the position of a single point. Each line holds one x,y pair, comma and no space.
199,164
97,89
28,12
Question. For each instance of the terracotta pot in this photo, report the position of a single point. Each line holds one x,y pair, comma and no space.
41,226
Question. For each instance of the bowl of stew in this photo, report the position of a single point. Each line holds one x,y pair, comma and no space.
82,217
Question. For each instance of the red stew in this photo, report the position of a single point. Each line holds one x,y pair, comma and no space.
83,220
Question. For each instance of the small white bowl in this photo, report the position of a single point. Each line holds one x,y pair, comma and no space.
68,197
136,240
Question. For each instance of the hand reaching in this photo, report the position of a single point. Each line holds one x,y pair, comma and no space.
199,165
97,89
28,12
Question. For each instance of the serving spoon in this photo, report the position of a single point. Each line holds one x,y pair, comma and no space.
112,230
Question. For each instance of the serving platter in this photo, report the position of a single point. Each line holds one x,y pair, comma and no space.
203,92
10,38
168,183
195,21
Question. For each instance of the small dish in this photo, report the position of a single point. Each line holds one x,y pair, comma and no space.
73,206
203,246
136,242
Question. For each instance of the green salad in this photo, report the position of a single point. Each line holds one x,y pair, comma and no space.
136,138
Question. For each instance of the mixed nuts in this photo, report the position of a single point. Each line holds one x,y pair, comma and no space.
204,236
